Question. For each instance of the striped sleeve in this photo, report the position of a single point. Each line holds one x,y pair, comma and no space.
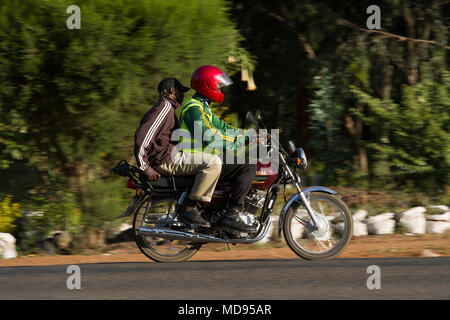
146,134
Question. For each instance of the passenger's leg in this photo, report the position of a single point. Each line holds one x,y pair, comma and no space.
206,168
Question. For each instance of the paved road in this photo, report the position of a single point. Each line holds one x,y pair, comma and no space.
406,278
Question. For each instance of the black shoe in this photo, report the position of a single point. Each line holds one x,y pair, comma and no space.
193,217
232,220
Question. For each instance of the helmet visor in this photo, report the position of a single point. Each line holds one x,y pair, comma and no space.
223,80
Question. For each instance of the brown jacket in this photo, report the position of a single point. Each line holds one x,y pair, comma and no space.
152,144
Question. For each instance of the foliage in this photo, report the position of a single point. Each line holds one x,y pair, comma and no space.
419,137
369,109
319,63
9,212
72,99
325,123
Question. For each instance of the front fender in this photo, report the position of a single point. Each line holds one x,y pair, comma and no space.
296,198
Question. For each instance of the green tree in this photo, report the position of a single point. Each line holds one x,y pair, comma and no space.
293,41
329,146
71,99
419,148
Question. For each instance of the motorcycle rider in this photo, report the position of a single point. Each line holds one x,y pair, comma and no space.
207,81
155,154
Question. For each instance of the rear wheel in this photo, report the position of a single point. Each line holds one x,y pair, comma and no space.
156,213
329,238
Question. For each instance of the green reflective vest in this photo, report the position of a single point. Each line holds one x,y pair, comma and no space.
218,135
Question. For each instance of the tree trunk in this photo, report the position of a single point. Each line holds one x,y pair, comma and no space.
412,63
385,96
302,105
281,117
355,129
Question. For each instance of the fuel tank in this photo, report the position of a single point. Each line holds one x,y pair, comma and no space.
265,176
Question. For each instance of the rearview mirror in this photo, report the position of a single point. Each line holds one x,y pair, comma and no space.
258,115
249,118
291,146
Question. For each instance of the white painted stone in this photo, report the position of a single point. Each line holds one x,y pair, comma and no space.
437,226
439,217
429,254
360,215
381,223
413,212
440,207
7,246
297,229
272,228
125,226
414,220
359,229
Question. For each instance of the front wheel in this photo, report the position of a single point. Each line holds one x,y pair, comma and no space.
326,240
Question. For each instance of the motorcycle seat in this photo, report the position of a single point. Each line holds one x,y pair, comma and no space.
172,183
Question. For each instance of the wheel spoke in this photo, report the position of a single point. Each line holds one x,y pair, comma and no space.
157,214
321,209
303,222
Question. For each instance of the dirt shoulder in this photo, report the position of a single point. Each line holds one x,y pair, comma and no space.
381,246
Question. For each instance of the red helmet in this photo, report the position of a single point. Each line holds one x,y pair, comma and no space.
207,80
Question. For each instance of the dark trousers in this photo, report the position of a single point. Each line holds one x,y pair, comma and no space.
241,177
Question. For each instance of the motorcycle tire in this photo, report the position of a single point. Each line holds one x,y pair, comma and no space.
334,201
150,251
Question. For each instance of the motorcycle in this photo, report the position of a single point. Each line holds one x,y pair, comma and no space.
315,222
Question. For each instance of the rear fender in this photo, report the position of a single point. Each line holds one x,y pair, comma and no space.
295,199
134,204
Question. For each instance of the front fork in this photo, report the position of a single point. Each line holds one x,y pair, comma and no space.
305,201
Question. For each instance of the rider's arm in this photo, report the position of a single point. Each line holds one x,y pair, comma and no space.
240,139
224,136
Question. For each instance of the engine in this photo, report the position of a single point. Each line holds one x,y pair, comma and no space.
254,201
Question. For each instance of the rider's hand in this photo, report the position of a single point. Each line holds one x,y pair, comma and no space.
257,138
260,139
152,174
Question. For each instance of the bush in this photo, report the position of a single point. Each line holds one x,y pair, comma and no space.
47,213
9,212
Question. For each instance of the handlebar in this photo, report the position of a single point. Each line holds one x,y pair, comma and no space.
124,169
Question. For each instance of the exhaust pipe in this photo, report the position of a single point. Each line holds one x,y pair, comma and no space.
179,235
196,237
